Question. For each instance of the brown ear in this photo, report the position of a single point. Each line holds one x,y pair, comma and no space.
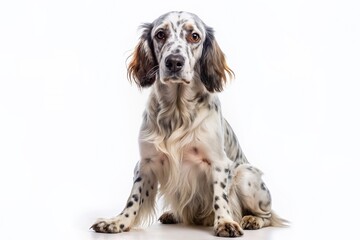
213,68
143,67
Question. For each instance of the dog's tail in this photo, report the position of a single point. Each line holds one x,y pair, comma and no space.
276,221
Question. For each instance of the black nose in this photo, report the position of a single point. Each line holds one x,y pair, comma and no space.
174,63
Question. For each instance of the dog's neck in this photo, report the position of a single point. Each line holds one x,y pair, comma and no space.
175,104
174,96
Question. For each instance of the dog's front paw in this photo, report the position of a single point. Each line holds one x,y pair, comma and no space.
109,226
225,228
251,222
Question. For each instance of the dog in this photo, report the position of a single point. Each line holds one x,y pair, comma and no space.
190,155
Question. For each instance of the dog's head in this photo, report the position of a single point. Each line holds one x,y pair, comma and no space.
178,48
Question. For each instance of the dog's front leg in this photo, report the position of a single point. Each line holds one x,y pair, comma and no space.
224,225
139,204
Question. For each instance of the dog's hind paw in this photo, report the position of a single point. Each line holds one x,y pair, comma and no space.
251,222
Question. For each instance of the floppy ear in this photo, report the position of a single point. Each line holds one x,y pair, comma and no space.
143,66
213,68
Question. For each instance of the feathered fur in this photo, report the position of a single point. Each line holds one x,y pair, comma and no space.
189,153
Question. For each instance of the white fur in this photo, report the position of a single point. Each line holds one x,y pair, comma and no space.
189,153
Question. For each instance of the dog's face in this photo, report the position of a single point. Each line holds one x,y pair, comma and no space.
178,48
178,42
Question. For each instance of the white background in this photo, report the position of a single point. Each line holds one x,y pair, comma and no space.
69,118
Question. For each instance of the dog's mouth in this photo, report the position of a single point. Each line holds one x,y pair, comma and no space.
174,69
175,79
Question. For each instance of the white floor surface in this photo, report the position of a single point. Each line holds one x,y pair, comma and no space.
69,118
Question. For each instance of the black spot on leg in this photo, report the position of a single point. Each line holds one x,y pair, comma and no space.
223,185
216,207
226,170
135,213
218,169
147,160
249,184
122,226
135,197
138,179
147,193
129,204
127,215
225,197
263,186
216,107
216,198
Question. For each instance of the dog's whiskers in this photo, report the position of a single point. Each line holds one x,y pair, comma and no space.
152,72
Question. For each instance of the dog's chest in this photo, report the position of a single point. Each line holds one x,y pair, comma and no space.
194,155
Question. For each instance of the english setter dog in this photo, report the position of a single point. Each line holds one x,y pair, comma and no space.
189,153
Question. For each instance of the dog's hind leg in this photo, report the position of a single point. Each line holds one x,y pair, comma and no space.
249,190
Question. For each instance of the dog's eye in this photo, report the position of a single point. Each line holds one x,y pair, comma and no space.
160,35
193,37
